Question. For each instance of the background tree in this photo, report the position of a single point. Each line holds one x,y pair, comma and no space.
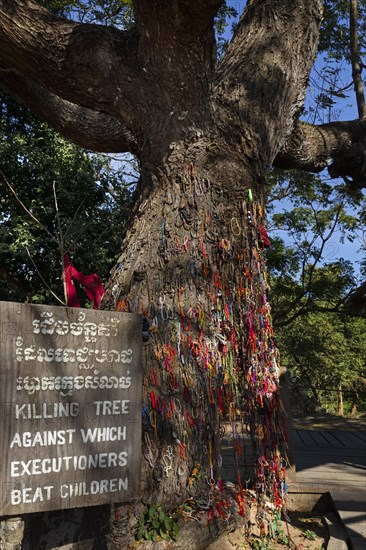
193,261
91,196
309,279
325,353
307,270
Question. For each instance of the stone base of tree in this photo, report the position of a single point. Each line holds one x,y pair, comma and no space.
11,534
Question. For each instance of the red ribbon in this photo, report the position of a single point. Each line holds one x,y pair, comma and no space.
264,236
92,284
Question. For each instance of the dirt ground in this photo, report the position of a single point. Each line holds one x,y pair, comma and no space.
329,422
302,532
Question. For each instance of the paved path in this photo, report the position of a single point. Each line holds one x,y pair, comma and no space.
337,458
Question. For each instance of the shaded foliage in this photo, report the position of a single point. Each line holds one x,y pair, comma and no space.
325,352
92,200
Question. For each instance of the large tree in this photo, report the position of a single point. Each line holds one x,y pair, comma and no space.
206,135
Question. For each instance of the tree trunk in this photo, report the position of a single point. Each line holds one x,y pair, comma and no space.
309,380
355,400
315,393
340,408
194,265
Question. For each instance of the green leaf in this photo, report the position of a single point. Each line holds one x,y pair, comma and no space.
153,510
164,535
169,524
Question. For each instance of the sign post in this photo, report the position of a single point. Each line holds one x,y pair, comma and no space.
70,407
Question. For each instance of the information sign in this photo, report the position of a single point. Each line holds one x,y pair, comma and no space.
70,407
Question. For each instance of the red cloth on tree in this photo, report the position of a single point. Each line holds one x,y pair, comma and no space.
265,240
92,284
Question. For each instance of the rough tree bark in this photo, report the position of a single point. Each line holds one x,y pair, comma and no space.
193,259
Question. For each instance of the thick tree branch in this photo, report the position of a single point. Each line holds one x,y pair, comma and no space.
85,127
338,146
177,50
91,66
155,79
202,11
178,17
355,59
261,82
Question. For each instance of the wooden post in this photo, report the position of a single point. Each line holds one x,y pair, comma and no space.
11,534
